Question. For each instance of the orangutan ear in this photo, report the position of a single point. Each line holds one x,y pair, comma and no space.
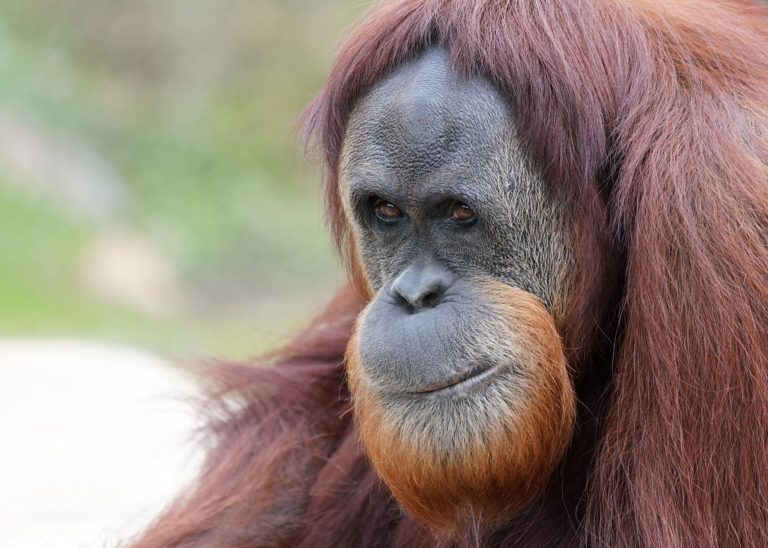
690,393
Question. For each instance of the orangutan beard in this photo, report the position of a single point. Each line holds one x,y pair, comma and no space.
485,452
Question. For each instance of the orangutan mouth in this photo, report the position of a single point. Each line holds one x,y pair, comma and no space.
459,385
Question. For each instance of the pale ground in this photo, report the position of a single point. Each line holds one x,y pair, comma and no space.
95,441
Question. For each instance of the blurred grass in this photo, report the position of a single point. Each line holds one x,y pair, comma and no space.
40,294
193,103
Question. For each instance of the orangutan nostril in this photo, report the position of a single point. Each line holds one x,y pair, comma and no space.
421,285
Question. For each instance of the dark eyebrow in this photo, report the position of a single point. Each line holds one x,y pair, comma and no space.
362,187
387,177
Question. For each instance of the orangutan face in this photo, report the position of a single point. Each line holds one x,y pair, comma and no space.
460,386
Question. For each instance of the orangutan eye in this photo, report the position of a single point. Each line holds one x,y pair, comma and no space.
462,213
386,211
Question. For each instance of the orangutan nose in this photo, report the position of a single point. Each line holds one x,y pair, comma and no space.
421,285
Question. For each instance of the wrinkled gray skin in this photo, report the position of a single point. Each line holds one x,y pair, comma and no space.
421,139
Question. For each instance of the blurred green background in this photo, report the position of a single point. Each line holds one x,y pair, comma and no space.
153,189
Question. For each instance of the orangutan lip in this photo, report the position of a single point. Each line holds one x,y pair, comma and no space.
458,385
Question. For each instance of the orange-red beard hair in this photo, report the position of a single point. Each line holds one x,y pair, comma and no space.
447,478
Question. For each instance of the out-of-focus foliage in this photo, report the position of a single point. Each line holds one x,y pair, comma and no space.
171,124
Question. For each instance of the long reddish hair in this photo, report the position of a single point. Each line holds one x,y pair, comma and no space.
653,116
